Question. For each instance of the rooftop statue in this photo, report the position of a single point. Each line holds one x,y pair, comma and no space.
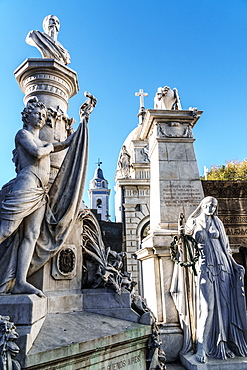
46,42
34,223
167,99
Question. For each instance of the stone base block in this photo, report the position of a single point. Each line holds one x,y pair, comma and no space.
172,341
28,314
87,341
106,302
23,309
189,361
64,301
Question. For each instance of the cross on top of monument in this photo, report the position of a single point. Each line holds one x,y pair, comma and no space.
98,163
141,94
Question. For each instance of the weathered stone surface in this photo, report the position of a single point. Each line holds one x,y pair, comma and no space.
106,302
88,341
23,309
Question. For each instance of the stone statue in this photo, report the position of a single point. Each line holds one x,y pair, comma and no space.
221,329
46,42
167,99
34,223
124,162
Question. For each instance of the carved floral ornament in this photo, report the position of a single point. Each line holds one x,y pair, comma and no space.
174,129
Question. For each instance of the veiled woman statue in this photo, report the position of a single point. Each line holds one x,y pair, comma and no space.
219,299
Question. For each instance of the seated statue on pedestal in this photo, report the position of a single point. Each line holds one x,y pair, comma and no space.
46,42
217,293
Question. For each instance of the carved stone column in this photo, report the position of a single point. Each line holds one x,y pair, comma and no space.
54,84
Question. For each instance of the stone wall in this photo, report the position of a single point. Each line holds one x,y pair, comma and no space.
232,199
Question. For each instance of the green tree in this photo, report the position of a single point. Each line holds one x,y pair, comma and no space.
232,170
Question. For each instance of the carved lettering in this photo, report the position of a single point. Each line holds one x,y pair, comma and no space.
121,364
185,195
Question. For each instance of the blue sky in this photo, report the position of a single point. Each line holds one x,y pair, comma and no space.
118,47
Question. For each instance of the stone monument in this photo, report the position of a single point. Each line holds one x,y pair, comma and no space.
65,291
175,188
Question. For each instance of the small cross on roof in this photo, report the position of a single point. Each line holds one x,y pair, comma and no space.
141,94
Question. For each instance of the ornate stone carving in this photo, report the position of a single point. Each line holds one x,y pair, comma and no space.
145,153
156,357
46,42
8,347
225,189
102,266
175,129
167,99
64,263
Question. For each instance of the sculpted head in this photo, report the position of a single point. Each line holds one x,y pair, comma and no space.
51,26
34,106
209,206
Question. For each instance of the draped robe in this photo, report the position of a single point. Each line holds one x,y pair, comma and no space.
217,292
63,204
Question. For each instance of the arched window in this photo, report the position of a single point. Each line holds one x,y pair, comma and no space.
99,203
145,230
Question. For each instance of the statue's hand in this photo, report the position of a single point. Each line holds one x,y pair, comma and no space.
50,147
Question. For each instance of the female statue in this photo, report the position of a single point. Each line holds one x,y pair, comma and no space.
221,318
211,305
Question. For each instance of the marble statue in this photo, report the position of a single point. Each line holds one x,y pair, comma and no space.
167,99
46,42
218,293
124,162
34,223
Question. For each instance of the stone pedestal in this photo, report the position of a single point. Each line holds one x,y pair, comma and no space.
236,363
53,84
175,188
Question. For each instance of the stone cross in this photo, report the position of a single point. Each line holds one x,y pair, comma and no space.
141,93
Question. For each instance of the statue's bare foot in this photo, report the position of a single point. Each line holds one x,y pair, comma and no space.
229,353
26,288
201,355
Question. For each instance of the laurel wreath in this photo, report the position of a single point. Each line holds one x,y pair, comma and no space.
193,250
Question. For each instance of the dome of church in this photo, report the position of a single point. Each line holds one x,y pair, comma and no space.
98,174
98,181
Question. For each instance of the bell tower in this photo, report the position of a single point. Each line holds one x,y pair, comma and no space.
99,193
